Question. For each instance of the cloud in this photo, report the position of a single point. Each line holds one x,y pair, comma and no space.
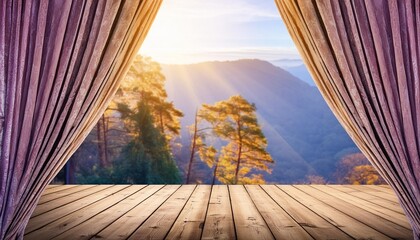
182,56
188,31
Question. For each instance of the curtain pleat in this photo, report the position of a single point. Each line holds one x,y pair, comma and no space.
60,64
364,58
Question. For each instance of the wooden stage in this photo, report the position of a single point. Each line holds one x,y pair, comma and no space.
218,212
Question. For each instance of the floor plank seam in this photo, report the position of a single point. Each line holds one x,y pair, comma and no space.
74,211
93,186
80,223
287,212
374,213
361,209
135,205
327,220
259,212
71,201
145,220
207,210
233,215
186,202
218,212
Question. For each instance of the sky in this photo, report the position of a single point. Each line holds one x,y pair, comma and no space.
190,31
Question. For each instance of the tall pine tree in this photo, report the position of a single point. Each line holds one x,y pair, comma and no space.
145,82
147,158
234,121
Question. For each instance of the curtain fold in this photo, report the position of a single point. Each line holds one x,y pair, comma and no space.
60,64
364,58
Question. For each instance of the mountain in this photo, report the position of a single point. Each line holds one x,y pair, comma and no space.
302,73
303,136
287,62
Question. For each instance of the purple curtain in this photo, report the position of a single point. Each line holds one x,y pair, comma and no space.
60,63
364,57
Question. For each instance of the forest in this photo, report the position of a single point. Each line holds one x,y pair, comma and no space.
138,140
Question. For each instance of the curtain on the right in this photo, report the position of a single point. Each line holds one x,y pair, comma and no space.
364,57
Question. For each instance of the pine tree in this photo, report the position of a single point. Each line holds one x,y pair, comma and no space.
234,120
198,145
132,137
147,158
145,82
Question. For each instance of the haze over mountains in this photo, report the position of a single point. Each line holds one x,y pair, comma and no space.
304,138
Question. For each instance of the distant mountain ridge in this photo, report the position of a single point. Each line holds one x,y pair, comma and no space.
303,135
302,73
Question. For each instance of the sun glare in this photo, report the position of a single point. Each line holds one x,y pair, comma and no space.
191,31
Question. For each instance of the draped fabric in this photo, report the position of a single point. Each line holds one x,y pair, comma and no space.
364,57
60,63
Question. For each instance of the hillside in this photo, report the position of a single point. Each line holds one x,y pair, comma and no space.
303,136
302,73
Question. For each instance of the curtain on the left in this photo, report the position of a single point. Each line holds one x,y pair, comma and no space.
60,63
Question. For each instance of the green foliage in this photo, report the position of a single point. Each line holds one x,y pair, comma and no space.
134,165
147,158
140,122
145,82
234,121
96,175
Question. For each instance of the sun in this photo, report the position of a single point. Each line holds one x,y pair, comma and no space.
191,31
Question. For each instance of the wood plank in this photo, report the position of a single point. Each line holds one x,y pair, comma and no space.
130,221
57,213
60,202
386,188
219,220
370,190
60,194
299,212
159,224
316,226
392,216
249,223
61,211
367,196
279,221
189,223
75,218
347,224
349,205
101,220
376,191
57,189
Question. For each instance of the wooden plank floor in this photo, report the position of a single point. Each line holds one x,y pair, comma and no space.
218,212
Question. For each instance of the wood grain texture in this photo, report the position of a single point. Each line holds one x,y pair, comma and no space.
381,192
159,224
362,211
74,219
60,194
190,221
56,188
57,213
218,212
219,220
282,225
103,219
375,208
367,196
248,221
63,200
124,226
345,223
